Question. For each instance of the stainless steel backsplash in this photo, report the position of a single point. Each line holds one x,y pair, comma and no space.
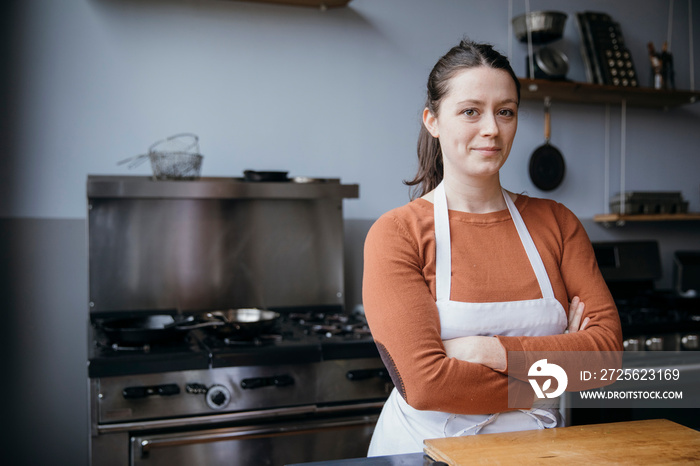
208,251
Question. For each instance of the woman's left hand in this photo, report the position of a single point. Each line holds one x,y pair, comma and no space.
576,308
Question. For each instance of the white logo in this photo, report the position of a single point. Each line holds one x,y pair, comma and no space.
542,368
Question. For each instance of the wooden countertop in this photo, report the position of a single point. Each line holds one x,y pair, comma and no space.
635,442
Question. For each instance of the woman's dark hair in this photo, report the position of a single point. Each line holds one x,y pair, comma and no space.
466,55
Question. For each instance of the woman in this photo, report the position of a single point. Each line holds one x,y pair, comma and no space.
448,295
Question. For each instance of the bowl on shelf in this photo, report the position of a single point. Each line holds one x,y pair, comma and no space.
545,26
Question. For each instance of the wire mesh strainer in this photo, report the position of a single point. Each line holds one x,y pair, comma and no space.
174,158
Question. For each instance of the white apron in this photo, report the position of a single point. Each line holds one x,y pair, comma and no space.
401,428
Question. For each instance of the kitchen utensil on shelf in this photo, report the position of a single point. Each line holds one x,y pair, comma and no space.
545,26
174,158
546,163
259,176
548,63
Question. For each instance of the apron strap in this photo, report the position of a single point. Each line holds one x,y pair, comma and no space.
443,248
476,427
546,418
530,248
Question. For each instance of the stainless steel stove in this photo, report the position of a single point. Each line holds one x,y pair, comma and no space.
178,389
660,329
660,321
651,319
155,404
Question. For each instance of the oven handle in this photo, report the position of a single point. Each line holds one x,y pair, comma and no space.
221,418
145,445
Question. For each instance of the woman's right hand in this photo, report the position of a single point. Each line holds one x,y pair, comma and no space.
576,308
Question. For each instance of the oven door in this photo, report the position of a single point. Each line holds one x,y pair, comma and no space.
316,438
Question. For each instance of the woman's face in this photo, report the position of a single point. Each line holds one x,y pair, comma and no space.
476,123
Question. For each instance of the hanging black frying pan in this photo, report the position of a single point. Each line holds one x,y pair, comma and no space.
546,163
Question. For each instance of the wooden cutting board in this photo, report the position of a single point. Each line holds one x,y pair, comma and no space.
635,442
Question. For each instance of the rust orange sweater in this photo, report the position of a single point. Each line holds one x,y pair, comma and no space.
489,264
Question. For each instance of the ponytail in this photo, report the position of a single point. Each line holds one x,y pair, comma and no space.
429,164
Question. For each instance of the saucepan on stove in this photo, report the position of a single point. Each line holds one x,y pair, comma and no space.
241,322
249,321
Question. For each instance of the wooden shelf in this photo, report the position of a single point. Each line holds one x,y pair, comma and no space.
576,92
312,3
619,219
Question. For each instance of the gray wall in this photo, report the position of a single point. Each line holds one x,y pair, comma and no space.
318,93
334,93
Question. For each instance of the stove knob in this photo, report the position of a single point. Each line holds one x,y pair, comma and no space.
218,397
690,342
631,344
282,380
655,344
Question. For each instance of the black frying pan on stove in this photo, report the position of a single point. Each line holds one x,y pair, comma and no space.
156,328
546,163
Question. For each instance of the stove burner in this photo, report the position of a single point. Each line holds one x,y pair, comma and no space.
258,340
306,335
659,322
112,348
331,325
321,318
329,331
653,315
363,331
117,347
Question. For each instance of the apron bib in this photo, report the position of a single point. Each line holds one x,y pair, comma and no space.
401,428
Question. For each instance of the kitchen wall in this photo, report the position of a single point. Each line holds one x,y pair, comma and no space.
334,93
